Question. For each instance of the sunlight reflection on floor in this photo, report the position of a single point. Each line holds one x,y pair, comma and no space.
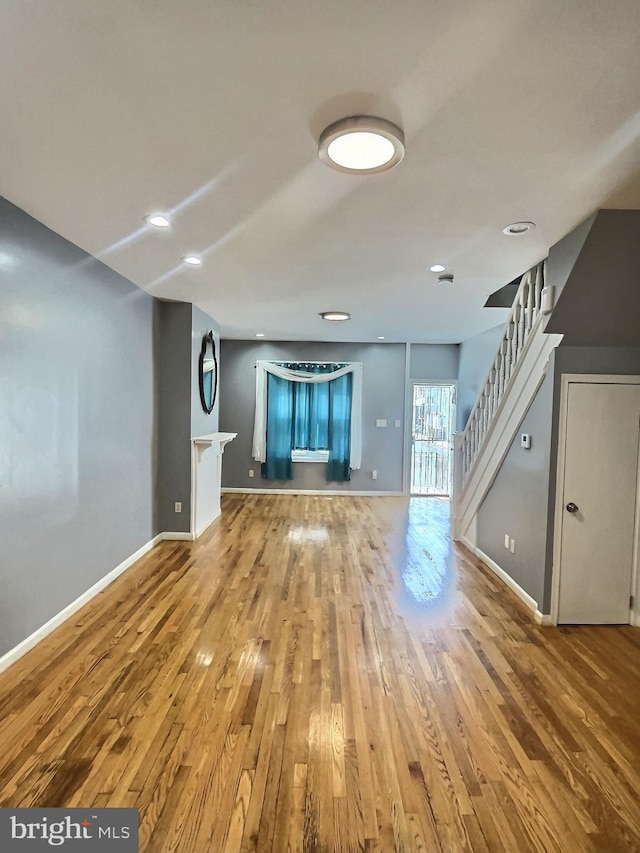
425,564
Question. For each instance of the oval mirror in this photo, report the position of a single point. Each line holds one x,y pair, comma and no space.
208,373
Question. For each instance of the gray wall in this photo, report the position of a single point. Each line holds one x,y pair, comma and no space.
180,328
600,300
383,397
624,361
564,255
434,362
76,423
173,348
201,422
518,501
476,356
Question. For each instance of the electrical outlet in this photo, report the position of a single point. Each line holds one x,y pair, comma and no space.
178,506
512,546
381,422
506,540
252,473
374,475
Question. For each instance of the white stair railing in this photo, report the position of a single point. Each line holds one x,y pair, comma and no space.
521,322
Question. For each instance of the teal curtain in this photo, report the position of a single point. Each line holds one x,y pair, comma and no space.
311,409
279,429
339,428
308,416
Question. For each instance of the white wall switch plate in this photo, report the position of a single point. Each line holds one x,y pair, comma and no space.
525,440
252,473
506,540
178,506
374,475
381,422
398,422
512,546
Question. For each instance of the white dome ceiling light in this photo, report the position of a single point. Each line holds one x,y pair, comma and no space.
362,145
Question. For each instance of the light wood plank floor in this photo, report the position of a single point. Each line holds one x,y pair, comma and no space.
329,674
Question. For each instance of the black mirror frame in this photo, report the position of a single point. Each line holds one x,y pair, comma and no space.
214,384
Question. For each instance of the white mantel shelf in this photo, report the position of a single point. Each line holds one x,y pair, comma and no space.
206,477
220,438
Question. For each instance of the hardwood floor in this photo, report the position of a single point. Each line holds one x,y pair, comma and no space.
329,674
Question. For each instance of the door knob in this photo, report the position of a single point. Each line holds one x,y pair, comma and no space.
571,507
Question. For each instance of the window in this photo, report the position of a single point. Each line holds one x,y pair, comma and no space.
311,415
298,455
308,411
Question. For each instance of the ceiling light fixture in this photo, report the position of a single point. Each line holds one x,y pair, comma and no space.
517,228
259,334
447,278
362,145
437,268
158,221
335,315
380,337
193,260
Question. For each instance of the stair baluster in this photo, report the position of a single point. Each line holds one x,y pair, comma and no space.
522,320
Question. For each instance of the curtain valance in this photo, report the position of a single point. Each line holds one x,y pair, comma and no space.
293,375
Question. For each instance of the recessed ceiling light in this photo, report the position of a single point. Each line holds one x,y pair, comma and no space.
193,260
362,145
437,268
517,228
380,337
158,221
335,315
259,334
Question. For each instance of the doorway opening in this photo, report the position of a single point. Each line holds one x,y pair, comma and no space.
433,421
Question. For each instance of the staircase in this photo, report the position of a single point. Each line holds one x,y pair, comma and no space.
511,384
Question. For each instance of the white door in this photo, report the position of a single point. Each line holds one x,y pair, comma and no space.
598,503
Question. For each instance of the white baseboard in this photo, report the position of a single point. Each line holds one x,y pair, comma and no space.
327,492
188,537
543,619
467,544
26,645
207,524
531,603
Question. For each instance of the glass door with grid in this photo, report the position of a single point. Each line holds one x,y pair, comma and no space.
432,427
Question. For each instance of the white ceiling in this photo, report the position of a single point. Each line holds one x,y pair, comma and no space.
210,110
